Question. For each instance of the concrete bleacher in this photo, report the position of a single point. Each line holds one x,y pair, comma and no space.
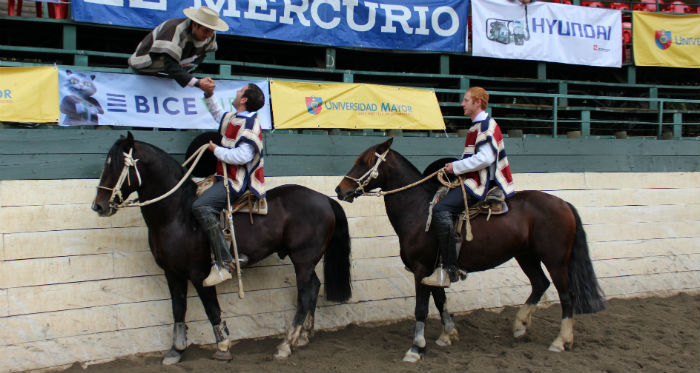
538,97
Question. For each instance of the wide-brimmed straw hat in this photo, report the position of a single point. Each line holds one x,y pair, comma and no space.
206,17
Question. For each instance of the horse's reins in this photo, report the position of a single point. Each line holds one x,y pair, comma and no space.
130,161
373,173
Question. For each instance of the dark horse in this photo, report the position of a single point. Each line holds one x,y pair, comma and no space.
300,223
539,228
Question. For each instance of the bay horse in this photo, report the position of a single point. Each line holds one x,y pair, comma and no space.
301,223
538,228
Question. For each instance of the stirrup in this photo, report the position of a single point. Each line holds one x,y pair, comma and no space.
216,276
439,278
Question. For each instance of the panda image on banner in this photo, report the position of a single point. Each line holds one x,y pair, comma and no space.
78,105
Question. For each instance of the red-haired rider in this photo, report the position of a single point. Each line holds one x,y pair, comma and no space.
483,164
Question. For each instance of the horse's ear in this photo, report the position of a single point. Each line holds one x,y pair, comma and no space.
381,148
129,140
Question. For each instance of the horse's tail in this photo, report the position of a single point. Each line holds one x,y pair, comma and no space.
587,295
336,262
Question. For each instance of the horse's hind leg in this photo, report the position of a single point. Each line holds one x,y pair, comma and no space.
178,298
211,306
307,292
449,331
308,326
565,339
533,270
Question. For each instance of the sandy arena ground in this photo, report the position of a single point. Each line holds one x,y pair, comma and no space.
633,335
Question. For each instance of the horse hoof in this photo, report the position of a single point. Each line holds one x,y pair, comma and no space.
302,341
447,338
223,355
519,333
283,352
412,355
554,348
172,357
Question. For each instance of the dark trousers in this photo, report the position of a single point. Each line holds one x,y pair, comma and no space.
206,210
215,196
453,202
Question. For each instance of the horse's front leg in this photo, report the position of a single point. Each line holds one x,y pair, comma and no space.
418,349
178,297
449,331
211,306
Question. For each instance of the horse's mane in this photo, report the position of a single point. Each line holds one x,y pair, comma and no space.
169,165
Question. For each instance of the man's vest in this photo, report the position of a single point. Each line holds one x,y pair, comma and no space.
487,133
236,130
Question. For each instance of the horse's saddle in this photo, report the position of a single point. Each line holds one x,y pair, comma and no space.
494,203
248,202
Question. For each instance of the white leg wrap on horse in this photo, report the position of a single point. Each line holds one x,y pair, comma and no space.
566,336
419,337
523,319
180,336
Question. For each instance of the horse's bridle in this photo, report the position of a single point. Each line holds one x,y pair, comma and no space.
368,176
129,161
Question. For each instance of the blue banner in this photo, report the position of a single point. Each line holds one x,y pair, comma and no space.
96,98
424,25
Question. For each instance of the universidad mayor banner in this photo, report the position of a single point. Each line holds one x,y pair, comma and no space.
29,94
666,39
545,31
96,98
426,25
353,106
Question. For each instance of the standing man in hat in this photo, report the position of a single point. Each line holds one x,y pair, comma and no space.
177,46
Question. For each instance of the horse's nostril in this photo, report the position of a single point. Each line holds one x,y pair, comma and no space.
96,207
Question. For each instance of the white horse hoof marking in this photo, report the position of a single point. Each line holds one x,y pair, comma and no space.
519,333
170,360
283,352
554,348
411,357
443,343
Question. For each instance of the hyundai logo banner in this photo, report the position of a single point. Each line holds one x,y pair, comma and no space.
543,31
423,25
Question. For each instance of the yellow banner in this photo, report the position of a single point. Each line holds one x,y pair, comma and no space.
353,106
29,94
666,39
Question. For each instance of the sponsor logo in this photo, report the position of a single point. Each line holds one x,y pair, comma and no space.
662,39
5,96
314,105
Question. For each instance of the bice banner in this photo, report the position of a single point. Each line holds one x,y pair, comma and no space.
544,31
96,98
29,94
426,25
353,106
666,39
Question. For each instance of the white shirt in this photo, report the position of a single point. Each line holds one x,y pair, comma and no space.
241,154
484,157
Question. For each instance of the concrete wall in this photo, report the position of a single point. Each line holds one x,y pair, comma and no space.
76,287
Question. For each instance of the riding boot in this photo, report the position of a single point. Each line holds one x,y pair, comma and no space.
444,228
223,261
